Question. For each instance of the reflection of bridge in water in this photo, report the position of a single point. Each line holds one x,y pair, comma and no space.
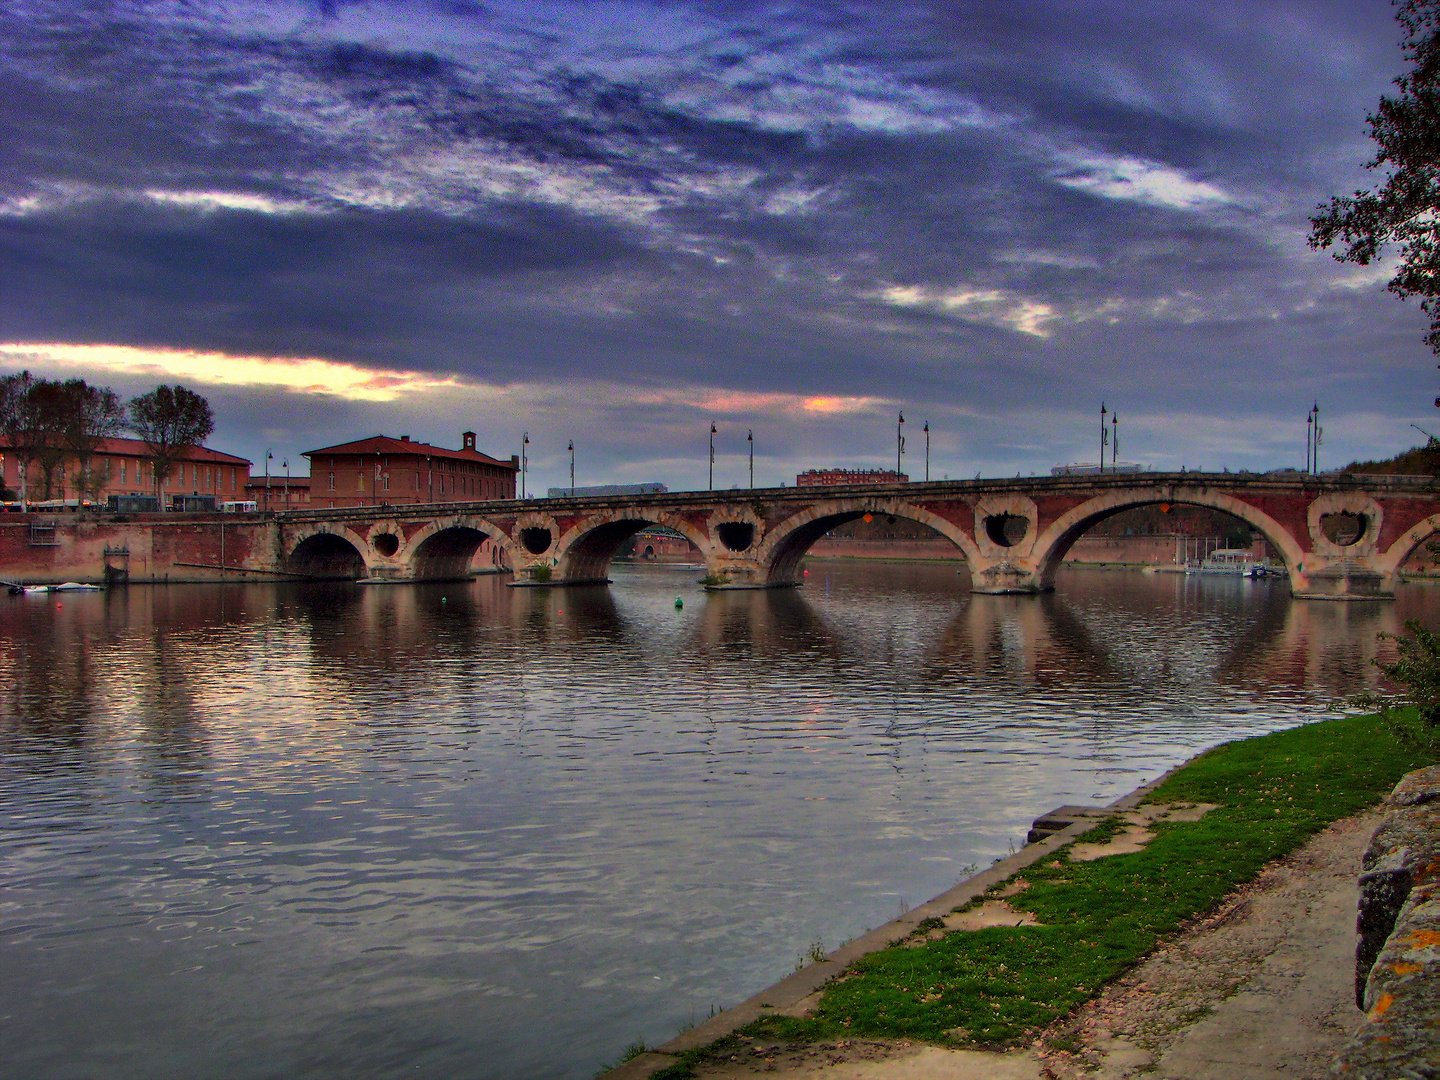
1341,537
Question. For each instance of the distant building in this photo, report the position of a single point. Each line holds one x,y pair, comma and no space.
381,469
658,542
122,467
831,477
606,489
1080,468
279,492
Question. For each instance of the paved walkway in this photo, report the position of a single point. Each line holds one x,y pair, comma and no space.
1263,989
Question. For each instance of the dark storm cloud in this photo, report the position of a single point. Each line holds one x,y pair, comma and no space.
979,204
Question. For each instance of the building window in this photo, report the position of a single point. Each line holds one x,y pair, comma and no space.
331,478
122,472
387,481
360,480
207,476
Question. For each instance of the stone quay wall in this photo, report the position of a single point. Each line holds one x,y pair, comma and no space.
1397,959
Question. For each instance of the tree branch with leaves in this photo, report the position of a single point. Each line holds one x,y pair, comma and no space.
1405,209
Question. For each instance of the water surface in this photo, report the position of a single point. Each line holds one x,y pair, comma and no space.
464,830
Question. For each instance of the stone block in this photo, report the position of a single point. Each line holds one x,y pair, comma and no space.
1398,957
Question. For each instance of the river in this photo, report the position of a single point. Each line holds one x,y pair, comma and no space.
328,830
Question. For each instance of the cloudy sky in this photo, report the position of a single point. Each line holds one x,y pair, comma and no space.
618,222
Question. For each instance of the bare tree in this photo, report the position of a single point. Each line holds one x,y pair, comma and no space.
27,410
170,420
92,414
14,403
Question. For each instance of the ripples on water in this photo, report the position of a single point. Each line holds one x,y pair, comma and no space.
464,830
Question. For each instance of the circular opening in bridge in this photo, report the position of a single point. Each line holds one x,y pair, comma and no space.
386,544
1344,529
736,535
536,539
1006,530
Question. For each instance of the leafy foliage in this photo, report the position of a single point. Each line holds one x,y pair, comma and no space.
1405,209
170,420
1415,713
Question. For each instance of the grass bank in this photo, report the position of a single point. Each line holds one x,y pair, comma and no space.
996,987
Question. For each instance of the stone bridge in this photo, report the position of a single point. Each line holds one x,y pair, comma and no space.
1341,536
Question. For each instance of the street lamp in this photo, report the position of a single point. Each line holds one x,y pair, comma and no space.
572,468
899,445
1115,440
287,483
712,455
1314,462
269,457
524,442
927,451
750,438
1104,435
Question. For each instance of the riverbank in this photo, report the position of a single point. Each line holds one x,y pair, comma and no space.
992,964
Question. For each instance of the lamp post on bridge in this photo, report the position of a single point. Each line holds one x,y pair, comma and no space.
927,451
899,444
1115,441
712,456
524,461
572,468
1104,435
750,438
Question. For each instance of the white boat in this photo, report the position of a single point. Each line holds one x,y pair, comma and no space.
75,586
1240,562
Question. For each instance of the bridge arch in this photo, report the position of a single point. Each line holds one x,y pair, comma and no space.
1394,557
586,548
443,549
334,552
782,548
1060,535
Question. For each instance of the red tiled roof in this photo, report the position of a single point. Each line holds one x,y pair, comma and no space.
137,448
384,444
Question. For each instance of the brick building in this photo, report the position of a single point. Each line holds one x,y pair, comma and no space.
281,493
382,469
828,477
122,467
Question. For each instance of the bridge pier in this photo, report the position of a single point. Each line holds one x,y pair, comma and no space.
1342,579
1004,578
